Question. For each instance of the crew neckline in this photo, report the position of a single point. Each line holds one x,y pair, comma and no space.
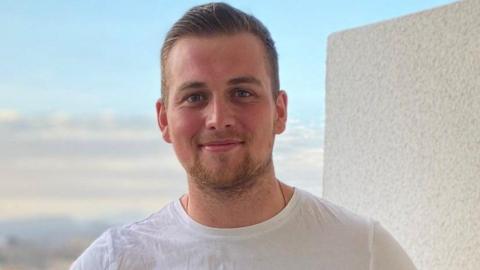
245,231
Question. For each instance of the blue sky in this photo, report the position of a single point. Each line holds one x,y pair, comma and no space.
92,57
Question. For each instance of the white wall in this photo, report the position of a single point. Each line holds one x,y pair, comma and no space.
402,137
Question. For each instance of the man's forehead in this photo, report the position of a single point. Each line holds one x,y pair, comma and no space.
239,55
197,43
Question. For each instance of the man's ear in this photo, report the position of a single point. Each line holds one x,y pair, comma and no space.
281,112
162,120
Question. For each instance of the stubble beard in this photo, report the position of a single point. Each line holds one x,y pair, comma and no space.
227,181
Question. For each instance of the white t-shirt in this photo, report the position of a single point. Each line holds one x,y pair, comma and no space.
309,233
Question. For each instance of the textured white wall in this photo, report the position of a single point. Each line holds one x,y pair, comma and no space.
402,137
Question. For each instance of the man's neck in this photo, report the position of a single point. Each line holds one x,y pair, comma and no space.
263,200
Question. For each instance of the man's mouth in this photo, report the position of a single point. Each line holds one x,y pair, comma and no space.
221,145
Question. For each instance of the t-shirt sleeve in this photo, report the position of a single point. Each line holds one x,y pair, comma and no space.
96,256
387,254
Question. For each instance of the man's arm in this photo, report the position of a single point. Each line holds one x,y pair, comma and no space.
96,256
387,254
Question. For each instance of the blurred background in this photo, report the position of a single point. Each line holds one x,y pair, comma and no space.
79,146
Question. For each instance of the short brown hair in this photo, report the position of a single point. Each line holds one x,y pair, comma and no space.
219,19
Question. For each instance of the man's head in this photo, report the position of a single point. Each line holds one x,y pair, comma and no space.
224,109
215,19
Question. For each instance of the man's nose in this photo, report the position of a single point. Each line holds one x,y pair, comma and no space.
219,115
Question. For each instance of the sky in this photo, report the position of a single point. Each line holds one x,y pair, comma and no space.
78,84
91,57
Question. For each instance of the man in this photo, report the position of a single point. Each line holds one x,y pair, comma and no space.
221,109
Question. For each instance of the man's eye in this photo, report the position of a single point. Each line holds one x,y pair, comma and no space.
195,98
242,93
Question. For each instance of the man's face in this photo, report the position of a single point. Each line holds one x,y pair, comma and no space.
221,117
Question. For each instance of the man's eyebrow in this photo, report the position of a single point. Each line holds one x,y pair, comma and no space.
192,85
245,79
238,80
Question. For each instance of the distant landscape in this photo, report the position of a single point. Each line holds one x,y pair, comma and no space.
45,243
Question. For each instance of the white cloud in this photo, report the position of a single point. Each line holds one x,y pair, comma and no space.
8,116
70,160
298,156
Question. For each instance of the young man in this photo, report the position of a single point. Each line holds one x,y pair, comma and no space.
221,109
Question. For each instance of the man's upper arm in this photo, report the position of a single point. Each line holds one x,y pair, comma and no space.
387,254
96,256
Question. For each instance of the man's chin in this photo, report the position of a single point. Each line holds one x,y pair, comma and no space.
220,178
220,174
227,177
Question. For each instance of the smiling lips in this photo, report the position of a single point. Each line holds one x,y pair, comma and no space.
220,145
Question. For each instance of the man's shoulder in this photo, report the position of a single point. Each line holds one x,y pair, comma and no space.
155,225
339,225
126,240
330,215
362,235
